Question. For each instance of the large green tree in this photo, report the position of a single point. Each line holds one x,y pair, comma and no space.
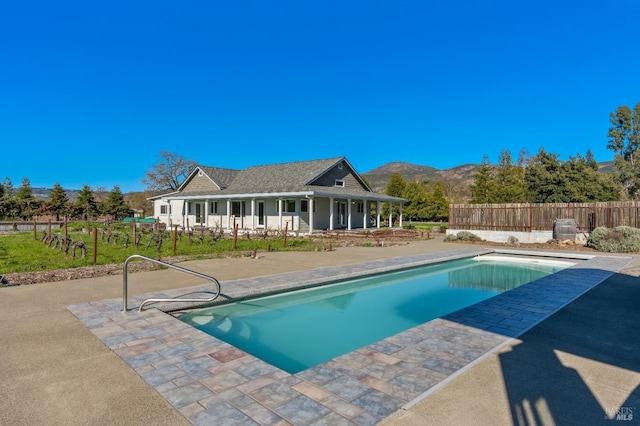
8,206
416,194
624,141
85,204
58,202
484,185
395,188
27,204
115,206
509,180
437,206
549,180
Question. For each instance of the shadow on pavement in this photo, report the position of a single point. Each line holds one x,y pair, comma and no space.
582,365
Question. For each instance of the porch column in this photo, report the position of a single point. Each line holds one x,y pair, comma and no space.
253,213
206,213
365,219
311,202
400,219
280,213
228,214
390,214
378,214
331,213
349,214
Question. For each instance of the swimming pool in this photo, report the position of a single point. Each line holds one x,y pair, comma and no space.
297,330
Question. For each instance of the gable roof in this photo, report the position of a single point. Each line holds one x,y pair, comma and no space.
282,178
219,176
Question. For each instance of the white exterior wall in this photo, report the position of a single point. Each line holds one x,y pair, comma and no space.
321,217
502,236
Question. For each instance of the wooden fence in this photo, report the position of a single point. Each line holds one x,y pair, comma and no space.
540,217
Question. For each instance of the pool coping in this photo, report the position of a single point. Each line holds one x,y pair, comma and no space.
207,380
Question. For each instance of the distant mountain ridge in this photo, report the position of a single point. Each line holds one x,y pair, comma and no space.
459,177
455,179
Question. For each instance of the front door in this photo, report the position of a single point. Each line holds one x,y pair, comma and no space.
261,214
200,209
342,214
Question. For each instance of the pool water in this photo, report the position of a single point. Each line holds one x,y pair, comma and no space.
297,330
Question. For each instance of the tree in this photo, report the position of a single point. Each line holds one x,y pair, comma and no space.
140,201
437,206
395,188
483,186
115,205
85,204
58,202
624,141
544,179
585,183
27,204
8,206
509,180
416,193
549,180
168,173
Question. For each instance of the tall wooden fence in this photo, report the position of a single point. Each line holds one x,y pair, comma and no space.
540,217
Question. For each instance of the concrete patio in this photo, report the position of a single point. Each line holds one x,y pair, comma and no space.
55,371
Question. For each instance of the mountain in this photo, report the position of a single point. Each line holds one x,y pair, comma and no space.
456,180
43,193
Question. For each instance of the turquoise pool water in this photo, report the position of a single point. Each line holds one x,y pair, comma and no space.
300,329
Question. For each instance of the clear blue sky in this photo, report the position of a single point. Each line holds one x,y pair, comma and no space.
91,92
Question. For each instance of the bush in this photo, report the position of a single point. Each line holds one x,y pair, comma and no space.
463,236
621,239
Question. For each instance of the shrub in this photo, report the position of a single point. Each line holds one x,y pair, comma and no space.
463,236
621,239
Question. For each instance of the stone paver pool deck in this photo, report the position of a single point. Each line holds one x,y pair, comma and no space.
211,382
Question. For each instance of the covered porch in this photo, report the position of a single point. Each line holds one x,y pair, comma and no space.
303,213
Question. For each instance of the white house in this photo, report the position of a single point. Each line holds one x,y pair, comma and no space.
304,196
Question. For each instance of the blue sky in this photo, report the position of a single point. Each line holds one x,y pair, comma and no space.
92,92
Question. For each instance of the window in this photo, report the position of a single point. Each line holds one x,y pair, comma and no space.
339,166
360,207
237,208
163,209
213,207
289,206
340,183
190,207
304,206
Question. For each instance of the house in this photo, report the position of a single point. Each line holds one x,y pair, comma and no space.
304,197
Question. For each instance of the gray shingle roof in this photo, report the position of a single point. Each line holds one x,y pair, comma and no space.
284,177
222,177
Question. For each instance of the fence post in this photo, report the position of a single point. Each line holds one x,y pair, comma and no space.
35,230
286,227
235,234
133,231
95,245
175,238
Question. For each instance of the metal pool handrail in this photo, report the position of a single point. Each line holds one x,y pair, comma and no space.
168,265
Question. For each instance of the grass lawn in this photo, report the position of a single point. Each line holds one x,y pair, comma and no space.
21,252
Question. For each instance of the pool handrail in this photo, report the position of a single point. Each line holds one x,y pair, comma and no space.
168,265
